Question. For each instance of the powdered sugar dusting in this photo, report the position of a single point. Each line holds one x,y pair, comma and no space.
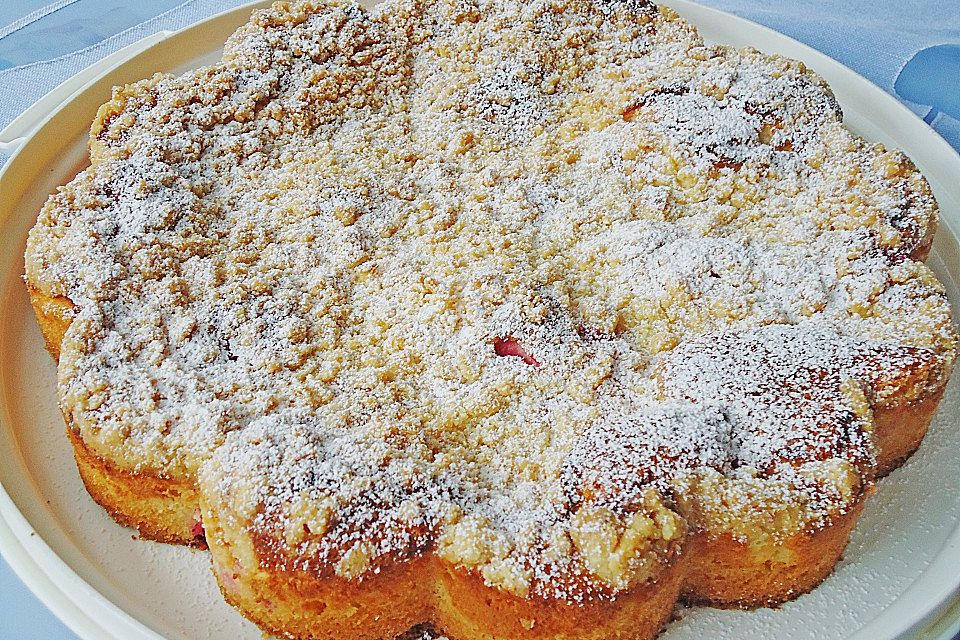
293,270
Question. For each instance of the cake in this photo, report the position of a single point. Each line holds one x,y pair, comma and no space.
512,319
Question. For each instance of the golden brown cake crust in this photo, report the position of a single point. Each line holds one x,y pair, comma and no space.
900,429
424,589
725,572
427,301
160,509
54,314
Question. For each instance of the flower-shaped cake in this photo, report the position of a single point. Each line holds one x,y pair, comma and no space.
521,319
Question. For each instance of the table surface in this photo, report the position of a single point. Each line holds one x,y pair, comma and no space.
910,48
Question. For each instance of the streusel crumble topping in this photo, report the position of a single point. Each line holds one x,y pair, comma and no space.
536,285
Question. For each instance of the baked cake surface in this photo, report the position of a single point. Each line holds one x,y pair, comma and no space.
518,318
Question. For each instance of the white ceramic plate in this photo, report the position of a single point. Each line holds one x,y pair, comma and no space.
901,574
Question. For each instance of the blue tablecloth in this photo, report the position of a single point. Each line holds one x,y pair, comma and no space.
910,48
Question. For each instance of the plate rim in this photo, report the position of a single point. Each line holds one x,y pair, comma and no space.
61,588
